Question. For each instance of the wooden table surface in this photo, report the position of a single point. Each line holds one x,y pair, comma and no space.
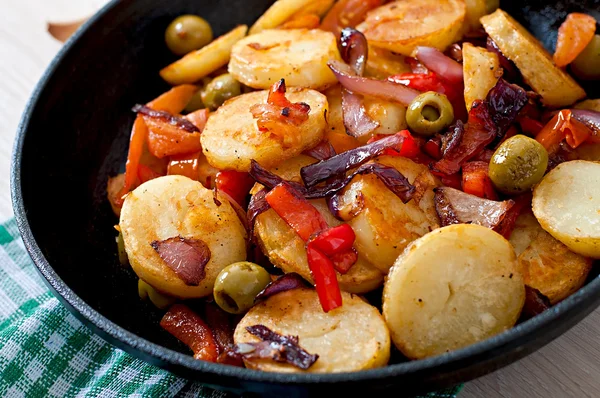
568,367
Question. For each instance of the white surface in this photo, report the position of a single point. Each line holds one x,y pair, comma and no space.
568,367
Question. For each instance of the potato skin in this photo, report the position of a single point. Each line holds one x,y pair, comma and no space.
170,206
350,338
546,264
453,287
401,26
566,203
231,138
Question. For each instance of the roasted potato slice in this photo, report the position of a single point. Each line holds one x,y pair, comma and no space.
231,138
350,338
201,63
588,151
172,206
383,63
299,56
283,10
475,10
451,288
400,26
556,87
567,205
481,70
384,225
286,249
546,264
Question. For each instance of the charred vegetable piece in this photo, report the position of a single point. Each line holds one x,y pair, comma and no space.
238,284
587,64
429,113
188,33
191,330
159,300
535,303
518,164
187,257
219,90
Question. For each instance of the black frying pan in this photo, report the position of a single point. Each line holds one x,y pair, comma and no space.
74,135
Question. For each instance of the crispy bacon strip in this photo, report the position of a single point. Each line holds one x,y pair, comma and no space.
187,257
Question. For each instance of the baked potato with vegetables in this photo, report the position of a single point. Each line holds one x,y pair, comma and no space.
481,70
299,56
555,86
545,263
401,26
568,207
176,206
231,138
350,338
453,287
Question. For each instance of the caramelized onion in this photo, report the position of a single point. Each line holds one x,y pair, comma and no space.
444,66
187,257
324,150
177,121
535,303
282,284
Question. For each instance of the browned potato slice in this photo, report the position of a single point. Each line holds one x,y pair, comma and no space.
590,104
547,264
400,26
384,225
481,70
475,10
567,205
588,151
383,63
283,10
286,249
451,288
350,338
555,86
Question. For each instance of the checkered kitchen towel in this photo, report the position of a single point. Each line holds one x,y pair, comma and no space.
46,352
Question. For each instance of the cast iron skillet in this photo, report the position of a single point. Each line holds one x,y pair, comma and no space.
74,135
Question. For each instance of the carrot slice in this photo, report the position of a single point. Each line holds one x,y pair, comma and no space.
574,35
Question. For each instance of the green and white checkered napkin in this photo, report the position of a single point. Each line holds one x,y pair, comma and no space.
46,352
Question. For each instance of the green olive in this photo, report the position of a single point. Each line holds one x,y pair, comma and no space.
195,103
157,298
188,33
123,259
238,284
429,113
587,64
518,164
219,90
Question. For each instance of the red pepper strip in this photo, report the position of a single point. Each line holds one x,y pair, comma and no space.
507,225
433,148
476,181
296,211
410,147
342,262
185,165
236,184
562,126
191,330
321,268
173,101
334,240
529,126
145,173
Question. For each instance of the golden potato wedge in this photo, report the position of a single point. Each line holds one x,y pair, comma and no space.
172,206
350,338
201,63
453,287
556,87
545,263
567,205
286,249
383,63
384,225
400,26
481,70
589,104
475,10
299,56
283,10
231,138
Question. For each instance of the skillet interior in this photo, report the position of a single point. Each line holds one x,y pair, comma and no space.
74,136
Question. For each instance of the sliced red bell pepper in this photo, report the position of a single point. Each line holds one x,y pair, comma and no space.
507,225
410,147
185,165
296,211
529,126
433,148
343,261
191,330
145,173
323,273
476,181
334,240
236,184
563,127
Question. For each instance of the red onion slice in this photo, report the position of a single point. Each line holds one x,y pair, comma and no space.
457,207
383,89
444,66
589,118
187,257
535,303
324,150
282,284
177,121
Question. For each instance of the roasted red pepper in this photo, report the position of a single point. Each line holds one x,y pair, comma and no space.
235,184
507,225
145,173
323,273
185,165
529,126
335,240
410,147
191,330
433,148
563,127
476,181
